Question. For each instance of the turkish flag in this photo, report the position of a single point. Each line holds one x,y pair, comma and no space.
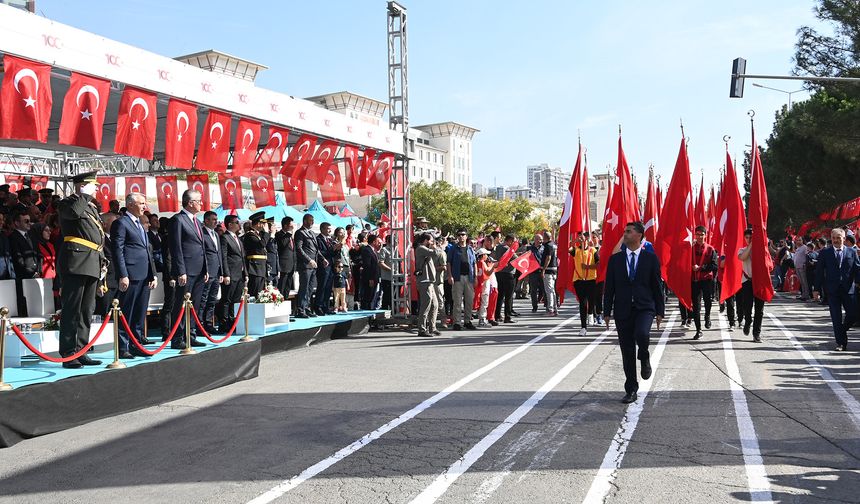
731,225
675,237
652,217
623,208
295,191
701,217
507,256
231,191
263,187
296,165
180,134
525,264
37,183
571,224
331,188
272,155
319,165
717,227
379,177
214,149
135,125
200,182
364,169
659,198
135,184
166,190
16,182
84,111
106,191
712,216
245,151
351,155
25,99
758,210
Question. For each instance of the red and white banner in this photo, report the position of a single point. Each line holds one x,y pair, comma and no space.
296,165
762,264
135,184
295,191
135,127
319,165
272,155
525,264
731,226
180,134
245,150
331,189
166,189
25,99
105,192
623,208
84,111
263,187
213,152
200,182
231,191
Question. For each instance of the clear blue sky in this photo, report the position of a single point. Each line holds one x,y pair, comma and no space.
527,74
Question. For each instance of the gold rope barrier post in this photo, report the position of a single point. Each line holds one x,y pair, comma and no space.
116,364
188,350
246,338
4,317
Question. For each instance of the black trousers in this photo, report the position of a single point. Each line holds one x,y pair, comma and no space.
255,285
702,289
385,287
748,301
368,292
286,283
535,288
307,284
507,284
194,285
230,296
634,337
449,298
837,302
208,301
324,286
730,310
686,314
19,295
599,294
133,303
586,291
167,318
79,302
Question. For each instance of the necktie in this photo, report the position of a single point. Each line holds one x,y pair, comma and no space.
214,238
236,239
196,226
631,270
839,258
141,231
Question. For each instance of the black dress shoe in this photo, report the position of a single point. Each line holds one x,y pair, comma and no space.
145,341
493,323
756,338
179,346
301,315
515,314
509,321
698,335
746,329
629,398
74,364
86,361
126,355
458,327
424,334
646,370
470,326
195,343
137,353
436,332
311,314
707,324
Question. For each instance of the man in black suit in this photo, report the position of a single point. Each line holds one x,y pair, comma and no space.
307,259
325,245
838,273
234,271
168,283
212,246
370,272
135,269
633,294
24,257
286,255
189,266
108,284
272,261
80,264
255,254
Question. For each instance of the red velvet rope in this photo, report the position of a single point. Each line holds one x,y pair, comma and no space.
133,337
229,333
61,360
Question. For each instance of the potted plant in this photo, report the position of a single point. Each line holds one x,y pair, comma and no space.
268,307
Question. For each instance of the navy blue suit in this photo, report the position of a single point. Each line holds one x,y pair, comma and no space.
839,284
188,257
215,269
634,305
132,258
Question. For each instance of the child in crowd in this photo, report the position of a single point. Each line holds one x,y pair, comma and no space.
339,287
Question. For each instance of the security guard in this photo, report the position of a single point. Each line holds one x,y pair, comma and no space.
255,254
81,263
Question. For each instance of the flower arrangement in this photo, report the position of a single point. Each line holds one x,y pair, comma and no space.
52,323
270,295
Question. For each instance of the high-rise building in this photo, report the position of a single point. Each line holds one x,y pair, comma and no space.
548,183
496,192
478,190
524,192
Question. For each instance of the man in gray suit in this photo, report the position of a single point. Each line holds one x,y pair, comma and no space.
425,273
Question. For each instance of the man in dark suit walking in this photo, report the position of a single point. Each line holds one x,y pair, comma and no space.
212,246
633,294
135,268
307,259
838,273
24,257
189,266
370,272
80,264
233,267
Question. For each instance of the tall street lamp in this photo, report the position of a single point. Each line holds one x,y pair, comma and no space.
789,93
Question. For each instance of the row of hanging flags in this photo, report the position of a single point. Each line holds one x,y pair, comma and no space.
670,224
25,112
845,211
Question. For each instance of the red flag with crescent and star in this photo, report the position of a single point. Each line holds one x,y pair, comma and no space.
731,226
525,264
651,217
245,150
712,218
352,158
135,125
272,155
231,191
758,208
623,208
675,237
319,165
38,183
135,184
15,182
165,188
25,99
378,178
84,111
296,165
573,222
331,189
507,256
295,191
200,182
701,207
213,152
180,134
263,187
105,192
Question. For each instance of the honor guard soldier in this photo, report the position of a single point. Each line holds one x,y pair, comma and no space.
256,256
81,264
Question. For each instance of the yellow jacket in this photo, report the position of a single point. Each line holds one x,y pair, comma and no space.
583,257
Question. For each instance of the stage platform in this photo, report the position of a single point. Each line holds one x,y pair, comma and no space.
49,398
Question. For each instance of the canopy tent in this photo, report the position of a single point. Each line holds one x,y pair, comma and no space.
221,212
348,215
321,215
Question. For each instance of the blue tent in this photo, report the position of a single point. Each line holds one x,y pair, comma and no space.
280,210
321,215
221,212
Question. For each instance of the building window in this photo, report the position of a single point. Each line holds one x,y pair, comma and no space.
421,154
413,171
441,158
411,146
434,157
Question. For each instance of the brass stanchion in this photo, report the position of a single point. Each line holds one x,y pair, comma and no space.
188,350
116,364
245,338
4,316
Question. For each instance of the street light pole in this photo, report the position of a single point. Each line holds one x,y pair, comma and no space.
789,93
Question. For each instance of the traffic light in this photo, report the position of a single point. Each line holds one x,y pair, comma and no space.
739,68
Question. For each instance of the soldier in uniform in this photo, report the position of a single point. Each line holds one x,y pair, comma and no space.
81,264
255,254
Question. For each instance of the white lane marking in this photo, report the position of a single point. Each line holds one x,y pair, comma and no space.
757,481
440,485
287,485
602,484
851,404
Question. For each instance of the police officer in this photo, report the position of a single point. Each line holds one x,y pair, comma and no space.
255,254
81,264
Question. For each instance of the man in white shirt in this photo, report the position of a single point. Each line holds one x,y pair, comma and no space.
747,297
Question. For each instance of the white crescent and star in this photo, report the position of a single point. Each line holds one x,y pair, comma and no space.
134,187
164,188
197,186
333,177
179,117
248,133
87,89
260,186
723,219
142,103
292,184
227,184
27,72
216,126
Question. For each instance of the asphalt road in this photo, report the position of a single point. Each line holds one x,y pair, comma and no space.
522,413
